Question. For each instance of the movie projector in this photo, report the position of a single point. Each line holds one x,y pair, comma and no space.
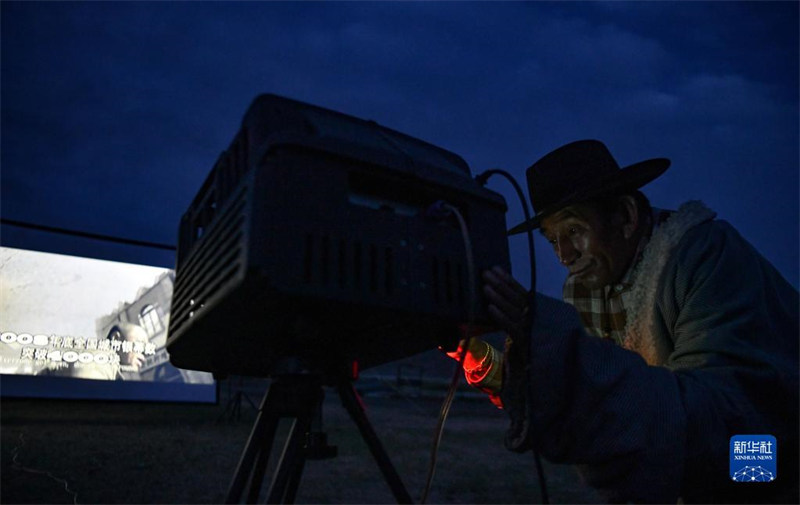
313,238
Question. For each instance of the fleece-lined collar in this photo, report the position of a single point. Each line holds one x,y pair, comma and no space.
639,334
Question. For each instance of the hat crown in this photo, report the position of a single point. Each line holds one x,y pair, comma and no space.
567,170
580,171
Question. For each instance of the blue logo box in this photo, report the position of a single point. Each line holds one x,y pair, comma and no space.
754,458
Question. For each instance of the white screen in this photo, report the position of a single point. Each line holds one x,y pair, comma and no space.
68,316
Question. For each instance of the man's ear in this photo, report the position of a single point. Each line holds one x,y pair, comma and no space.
629,214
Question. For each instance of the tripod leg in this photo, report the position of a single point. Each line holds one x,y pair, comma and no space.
291,462
294,482
258,476
259,444
351,403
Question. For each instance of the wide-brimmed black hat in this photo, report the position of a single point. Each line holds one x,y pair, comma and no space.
581,171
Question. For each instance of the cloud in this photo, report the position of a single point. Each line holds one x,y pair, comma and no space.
730,97
576,54
127,105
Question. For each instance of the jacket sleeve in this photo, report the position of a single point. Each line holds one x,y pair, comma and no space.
651,434
734,322
585,401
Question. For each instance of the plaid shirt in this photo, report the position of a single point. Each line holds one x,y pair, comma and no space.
602,310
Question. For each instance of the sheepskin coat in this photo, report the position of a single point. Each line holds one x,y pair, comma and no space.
711,351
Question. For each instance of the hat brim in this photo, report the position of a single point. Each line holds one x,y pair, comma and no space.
632,177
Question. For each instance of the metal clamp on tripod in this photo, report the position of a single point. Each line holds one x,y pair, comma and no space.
299,396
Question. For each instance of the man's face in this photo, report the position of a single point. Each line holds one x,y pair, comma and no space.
590,245
131,358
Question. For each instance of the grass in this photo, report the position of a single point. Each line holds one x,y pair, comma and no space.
113,452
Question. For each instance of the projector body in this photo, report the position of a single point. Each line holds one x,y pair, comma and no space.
311,238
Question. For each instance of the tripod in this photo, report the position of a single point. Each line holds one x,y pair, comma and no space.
233,409
300,396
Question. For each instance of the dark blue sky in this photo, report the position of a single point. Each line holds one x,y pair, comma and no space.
113,113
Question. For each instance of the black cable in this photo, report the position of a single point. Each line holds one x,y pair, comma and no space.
482,179
96,236
441,209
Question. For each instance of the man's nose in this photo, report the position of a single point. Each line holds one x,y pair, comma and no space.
567,254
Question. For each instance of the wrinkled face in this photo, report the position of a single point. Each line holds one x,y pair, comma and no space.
592,247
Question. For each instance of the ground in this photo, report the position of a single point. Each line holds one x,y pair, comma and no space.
68,451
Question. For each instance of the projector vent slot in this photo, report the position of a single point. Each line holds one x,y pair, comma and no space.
342,276
435,274
308,259
227,267
329,261
325,260
357,263
214,260
448,282
373,268
193,289
388,270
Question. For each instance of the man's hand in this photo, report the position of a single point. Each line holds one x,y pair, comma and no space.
476,353
137,359
508,302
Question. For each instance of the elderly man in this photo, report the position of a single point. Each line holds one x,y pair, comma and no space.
676,335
